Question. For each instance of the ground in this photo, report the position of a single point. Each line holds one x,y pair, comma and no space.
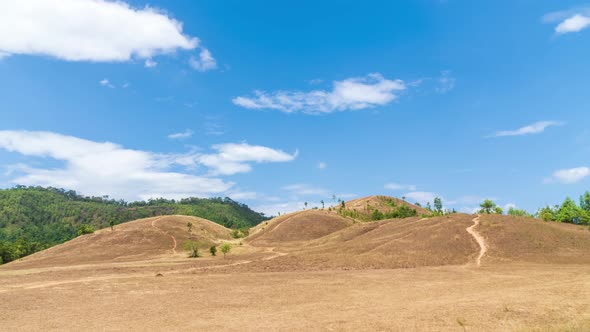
317,282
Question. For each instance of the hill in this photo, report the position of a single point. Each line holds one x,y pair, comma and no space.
373,208
143,239
35,218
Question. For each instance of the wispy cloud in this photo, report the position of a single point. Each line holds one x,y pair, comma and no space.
106,83
322,165
568,176
534,128
149,63
205,61
421,197
306,190
445,83
350,94
181,135
397,186
569,21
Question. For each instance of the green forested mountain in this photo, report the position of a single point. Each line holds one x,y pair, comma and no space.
35,218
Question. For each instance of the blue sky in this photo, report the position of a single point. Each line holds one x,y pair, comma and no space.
277,104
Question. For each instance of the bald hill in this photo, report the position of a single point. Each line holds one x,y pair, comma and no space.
36,218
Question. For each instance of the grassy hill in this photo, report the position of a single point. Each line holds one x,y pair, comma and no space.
35,218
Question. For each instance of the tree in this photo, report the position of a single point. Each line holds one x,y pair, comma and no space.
488,206
225,249
585,202
547,214
569,212
438,206
512,211
403,198
213,250
112,224
305,206
189,225
342,205
192,247
428,207
323,206
498,210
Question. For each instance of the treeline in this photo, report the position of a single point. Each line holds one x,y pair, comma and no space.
35,218
568,211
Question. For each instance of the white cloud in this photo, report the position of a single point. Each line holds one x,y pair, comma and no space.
568,176
421,197
232,158
306,190
535,128
569,21
322,165
445,82
205,62
105,82
88,30
149,63
274,209
574,23
182,135
350,94
397,186
101,168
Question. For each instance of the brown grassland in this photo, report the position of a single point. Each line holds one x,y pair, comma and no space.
307,271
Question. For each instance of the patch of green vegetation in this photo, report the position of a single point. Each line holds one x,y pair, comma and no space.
36,218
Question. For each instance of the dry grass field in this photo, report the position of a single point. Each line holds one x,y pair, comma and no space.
308,271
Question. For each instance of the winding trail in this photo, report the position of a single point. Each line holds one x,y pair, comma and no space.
483,247
163,232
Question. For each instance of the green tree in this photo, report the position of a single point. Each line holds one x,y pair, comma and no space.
488,206
323,206
428,206
225,249
569,212
438,206
585,202
305,206
498,210
192,247
547,214
213,250
189,225
112,224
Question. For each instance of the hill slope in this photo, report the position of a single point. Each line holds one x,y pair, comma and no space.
143,239
35,218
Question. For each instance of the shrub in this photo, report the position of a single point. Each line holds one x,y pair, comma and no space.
86,229
225,249
213,250
192,247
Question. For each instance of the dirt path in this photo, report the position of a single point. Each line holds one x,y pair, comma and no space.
161,231
480,240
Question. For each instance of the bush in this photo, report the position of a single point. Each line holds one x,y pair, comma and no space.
86,229
192,247
213,250
225,249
